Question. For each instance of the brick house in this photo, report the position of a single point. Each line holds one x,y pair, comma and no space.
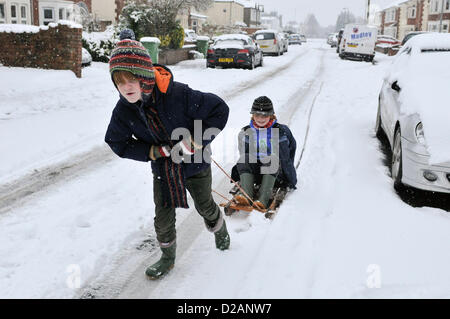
412,15
436,8
252,13
226,13
390,17
48,11
190,19
40,12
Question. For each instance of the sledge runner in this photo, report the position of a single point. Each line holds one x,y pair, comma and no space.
151,106
267,151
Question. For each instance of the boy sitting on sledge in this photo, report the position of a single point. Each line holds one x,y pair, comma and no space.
267,151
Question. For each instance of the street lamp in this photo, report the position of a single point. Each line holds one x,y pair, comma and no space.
442,12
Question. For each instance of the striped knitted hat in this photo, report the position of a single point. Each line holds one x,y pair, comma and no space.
130,55
262,105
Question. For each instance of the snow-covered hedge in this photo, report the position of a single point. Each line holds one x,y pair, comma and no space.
100,44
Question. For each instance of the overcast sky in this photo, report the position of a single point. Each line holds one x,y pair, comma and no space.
326,11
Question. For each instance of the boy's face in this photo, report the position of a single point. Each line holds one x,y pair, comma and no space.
261,120
130,89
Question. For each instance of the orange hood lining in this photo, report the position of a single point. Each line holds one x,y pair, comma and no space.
162,78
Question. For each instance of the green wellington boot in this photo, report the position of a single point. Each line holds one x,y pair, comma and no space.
222,237
219,229
267,183
247,181
164,265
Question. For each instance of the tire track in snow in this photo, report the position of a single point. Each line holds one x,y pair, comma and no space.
17,192
120,282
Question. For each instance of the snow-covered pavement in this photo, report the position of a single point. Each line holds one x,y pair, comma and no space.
343,233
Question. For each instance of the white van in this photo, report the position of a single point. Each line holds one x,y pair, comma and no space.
358,42
269,41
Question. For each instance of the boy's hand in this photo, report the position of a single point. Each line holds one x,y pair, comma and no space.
184,146
159,151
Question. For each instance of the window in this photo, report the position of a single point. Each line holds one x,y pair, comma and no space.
436,6
62,15
2,13
447,5
23,14
14,16
49,16
390,15
412,12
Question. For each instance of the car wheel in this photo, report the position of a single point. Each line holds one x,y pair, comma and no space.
252,65
397,166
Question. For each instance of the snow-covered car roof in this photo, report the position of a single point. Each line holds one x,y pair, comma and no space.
232,37
429,41
266,31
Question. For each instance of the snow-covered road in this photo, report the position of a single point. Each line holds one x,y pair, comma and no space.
343,233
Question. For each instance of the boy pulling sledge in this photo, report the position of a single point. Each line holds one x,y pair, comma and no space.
151,107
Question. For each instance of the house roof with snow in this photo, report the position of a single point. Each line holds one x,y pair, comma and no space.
394,4
249,3
241,2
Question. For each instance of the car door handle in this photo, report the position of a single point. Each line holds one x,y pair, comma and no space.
395,86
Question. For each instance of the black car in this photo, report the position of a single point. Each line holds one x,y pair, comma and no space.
234,50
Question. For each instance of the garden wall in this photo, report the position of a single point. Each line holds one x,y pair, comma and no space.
56,46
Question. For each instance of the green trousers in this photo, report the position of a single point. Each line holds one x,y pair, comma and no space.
199,186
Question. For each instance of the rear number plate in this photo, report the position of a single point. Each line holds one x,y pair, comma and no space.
229,60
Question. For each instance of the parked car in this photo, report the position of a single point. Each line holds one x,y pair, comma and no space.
333,40
303,38
190,35
285,40
339,38
413,113
410,35
295,39
358,42
234,50
330,35
269,41
387,40
86,57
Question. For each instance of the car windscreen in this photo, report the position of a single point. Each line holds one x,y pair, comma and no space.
265,36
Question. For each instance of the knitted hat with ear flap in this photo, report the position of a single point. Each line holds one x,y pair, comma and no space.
130,55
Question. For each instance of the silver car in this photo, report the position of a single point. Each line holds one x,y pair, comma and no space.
405,126
269,41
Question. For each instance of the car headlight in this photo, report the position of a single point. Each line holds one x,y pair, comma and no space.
420,136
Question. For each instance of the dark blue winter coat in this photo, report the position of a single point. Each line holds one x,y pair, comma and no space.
287,148
177,105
